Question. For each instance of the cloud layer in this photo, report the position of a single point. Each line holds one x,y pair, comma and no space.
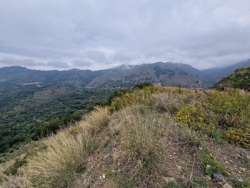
64,34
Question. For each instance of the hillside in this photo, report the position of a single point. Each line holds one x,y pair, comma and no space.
239,79
216,74
30,99
151,137
168,74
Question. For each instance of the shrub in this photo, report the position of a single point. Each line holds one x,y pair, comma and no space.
167,101
137,96
142,85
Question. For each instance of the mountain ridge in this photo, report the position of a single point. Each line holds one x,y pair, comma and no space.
168,73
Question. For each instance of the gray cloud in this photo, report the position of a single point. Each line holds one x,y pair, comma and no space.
58,64
104,34
96,55
16,62
80,63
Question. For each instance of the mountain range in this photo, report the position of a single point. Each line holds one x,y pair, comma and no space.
168,74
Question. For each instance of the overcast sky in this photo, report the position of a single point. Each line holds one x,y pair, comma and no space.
98,34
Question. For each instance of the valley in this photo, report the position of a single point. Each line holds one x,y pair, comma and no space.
31,99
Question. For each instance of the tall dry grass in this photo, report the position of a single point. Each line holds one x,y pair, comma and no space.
66,152
141,133
97,119
57,164
62,155
168,101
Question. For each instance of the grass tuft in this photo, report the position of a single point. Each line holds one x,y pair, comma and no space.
57,164
140,135
98,118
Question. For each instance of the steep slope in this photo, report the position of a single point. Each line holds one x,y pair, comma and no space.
172,74
239,79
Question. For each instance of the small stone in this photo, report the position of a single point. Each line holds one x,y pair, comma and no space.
227,186
168,179
174,153
208,178
238,156
227,162
219,178
208,167
103,176
248,157
179,167
243,169
200,148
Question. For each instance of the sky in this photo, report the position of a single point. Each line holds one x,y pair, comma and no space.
98,34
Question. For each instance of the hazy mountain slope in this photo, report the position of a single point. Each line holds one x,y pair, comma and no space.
16,76
239,79
173,74
164,73
215,74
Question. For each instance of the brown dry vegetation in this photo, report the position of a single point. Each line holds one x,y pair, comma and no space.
155,137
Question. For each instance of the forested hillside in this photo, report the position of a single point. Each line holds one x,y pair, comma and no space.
27,107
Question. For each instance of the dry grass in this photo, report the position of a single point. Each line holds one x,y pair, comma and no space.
14,181
63,155
97,118
168,101
141,133
57,164
140,147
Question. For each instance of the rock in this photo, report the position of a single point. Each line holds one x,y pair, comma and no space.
243,169
208,167
169,179
238,156
208,178
227,186
248,157
179,167
219,178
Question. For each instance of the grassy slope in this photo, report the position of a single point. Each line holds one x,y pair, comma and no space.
239,79
155,137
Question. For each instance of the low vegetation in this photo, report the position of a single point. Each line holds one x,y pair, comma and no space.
239,79
147,137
